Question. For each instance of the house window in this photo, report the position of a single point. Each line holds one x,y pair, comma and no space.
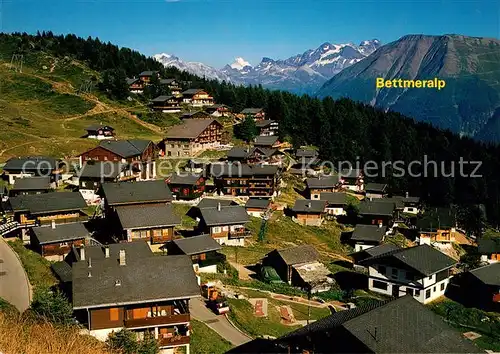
203,256
394,273
409,291
434,289
379,285
216,230
442,286
63,244
417,292
428,293
114,314
381,269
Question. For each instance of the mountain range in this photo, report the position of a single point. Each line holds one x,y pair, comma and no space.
470,102
302,73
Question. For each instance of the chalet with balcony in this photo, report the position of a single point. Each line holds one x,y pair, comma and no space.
33,166
267,127
166,104
309,212
306,160
196,115
173,85
376,212
255,155
153,223
44,209
112,292
437,225
141,154
225,224
100,132
481,287
219,110
191,138
321,184
30,185
195,212
54,242
257,207
420,271
411,205
299,266
489,249
256,113
352,179
186,186
266,141
386,327
336,203
197,98
94,173
367,236
375,190
135,85
146,76
246,180
201,249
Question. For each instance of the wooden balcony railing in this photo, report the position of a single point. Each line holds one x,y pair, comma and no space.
174,341
155,321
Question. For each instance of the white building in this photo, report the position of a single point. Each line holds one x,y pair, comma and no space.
420,271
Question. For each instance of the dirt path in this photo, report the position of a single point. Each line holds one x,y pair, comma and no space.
243,273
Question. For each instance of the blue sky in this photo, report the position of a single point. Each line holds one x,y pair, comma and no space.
217,31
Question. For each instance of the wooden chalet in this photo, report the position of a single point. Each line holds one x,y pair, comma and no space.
187,186
146,76
480,287
225,224
257,207
375,190
202,250
197,98
33,166
309,212
266,141
335,203
195,212
219,110
30,185
166,104
367,236
173,85
437,225
100,132
135,85
321,184
255,113
54,242
111,291
352,179
140,154
489,249
246,180
191,137
255,155
267,127
376,212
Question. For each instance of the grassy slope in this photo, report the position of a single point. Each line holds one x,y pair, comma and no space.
41,111
204,340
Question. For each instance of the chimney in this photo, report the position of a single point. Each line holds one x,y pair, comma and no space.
371,199
407,194
82,254
90,262
53,224
218,207
118,282
308,205
380,225
106,251
121,260
90,274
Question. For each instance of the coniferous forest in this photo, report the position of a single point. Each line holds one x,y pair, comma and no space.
343,130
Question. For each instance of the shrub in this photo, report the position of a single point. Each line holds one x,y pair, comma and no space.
126,341
52,306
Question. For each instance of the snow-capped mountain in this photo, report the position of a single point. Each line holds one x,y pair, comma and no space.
192,67
302,73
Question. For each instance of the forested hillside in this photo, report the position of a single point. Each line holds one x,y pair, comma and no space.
342,129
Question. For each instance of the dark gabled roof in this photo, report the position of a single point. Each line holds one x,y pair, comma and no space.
242,169
31,183
130,81
258,203
227,215
30,163
488,245
156,278
398,203
309,206
299,254
251,110
48,202
191,92
489,275
106,169
267,152
407,200
62,270
376,208
136,192
98,127
194,114
189,129
306,153
334,198
161,99
166,81
185,178
134,250
239,152
265,140
376,187
375,251
264,123
197,244
213,202
399,326
423,258
435,218
322,182
61,233
350,173
147,216
372,233
126,148
148,73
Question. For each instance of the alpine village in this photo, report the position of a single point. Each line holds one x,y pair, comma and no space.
148,210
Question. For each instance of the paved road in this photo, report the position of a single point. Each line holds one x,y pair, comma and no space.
219,324
14,284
